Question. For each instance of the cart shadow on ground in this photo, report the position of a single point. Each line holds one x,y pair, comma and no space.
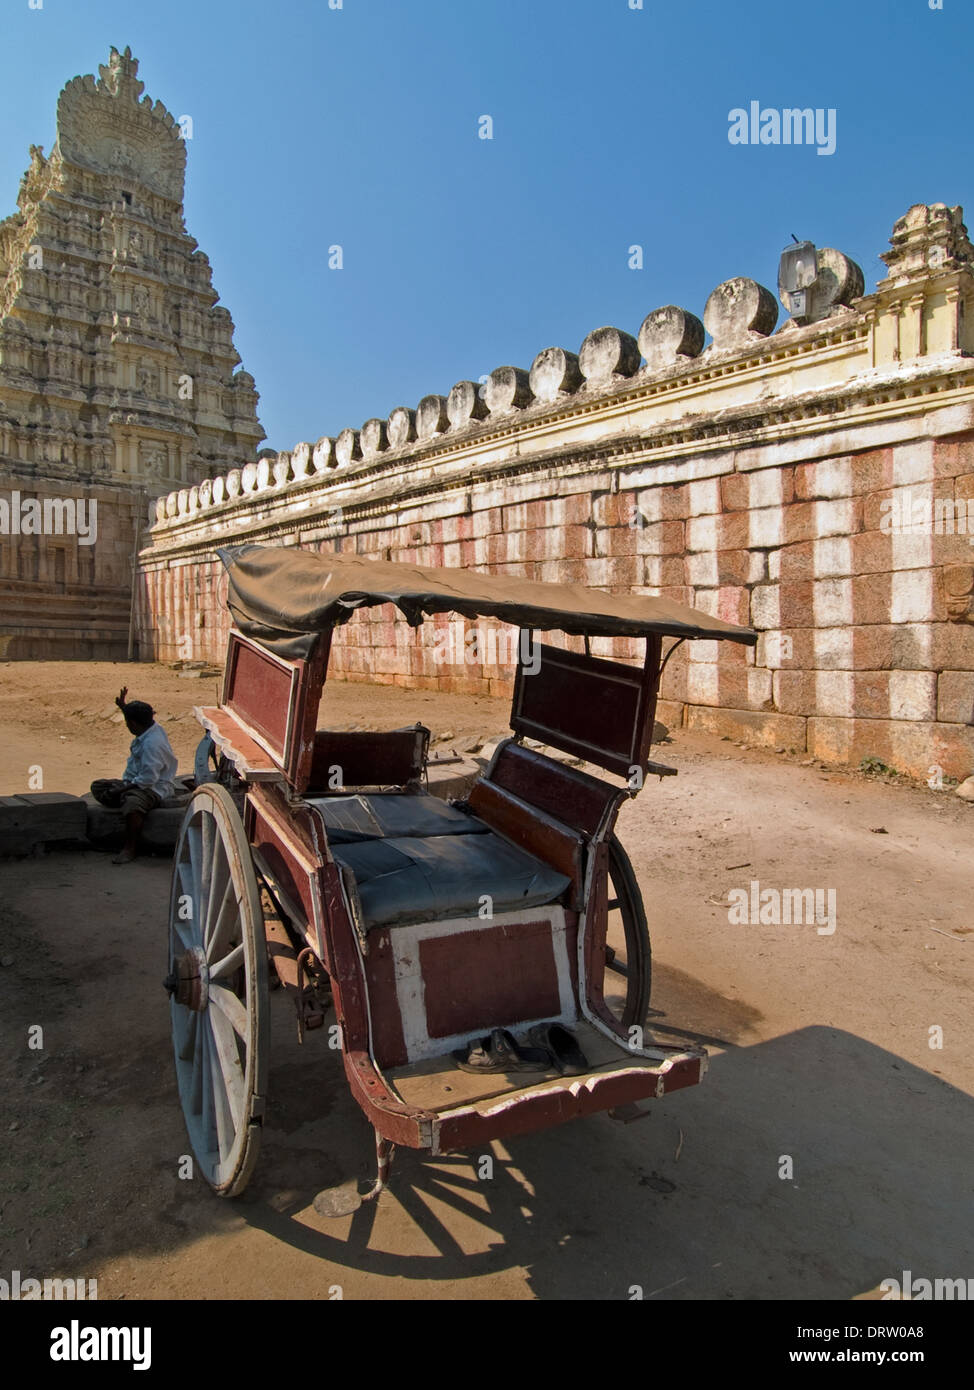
813,1166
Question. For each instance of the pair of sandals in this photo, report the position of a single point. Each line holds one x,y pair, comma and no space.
555,1048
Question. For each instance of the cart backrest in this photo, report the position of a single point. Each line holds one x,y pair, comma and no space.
578,800
362,758
598,710
276,701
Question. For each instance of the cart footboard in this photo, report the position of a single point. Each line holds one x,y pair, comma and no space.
461,1110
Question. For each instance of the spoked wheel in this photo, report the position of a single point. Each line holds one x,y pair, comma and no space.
628,960
218,990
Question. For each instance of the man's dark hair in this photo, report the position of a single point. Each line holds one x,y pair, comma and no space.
138,712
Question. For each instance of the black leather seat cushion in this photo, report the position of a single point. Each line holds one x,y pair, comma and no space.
350,819
412,879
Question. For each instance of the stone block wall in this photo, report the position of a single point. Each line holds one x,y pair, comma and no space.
811,482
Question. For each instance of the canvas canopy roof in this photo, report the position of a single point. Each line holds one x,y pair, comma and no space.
283,597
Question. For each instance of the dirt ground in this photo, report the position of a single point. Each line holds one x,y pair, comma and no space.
823,1051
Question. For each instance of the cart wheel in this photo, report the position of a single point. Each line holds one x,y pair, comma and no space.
218,990
628,952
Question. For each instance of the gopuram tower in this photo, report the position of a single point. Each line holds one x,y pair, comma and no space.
118,377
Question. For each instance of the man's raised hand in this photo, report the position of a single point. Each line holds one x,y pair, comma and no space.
120,698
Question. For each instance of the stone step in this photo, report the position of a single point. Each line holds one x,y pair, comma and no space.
453,777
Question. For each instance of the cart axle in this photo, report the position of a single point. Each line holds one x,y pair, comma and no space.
189,983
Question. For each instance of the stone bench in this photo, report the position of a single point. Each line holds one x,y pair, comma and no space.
105,828
33,819
39,818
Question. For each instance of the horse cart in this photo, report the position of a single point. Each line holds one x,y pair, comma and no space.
488,960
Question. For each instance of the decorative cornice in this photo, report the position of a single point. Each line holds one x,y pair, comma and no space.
683,392
849,405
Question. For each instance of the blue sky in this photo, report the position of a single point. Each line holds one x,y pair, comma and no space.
358,126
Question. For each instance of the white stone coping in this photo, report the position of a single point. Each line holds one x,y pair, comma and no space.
605,377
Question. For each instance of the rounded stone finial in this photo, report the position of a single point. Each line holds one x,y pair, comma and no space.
219,490
608,353
431,417
669,334
234,483
323,454
507,388
554,372
281,468
193,502
206,492
465,404
738,312
172,504
840,279
301,460
160,509
248,477
817,283
401,427
347,449
373,438
263,479
182,501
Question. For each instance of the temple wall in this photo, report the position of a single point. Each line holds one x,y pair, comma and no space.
812,483
66,591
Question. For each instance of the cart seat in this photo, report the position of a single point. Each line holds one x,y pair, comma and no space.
392,815
411,879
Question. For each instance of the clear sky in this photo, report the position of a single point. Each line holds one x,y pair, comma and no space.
359,126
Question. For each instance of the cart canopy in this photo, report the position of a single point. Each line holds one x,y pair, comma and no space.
283,597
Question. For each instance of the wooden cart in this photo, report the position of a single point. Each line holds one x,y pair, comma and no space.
431,929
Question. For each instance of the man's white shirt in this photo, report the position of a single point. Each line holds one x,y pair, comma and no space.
152,763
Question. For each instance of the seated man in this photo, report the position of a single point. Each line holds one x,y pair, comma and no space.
148,777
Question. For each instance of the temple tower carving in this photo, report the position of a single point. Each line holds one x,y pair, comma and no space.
119,378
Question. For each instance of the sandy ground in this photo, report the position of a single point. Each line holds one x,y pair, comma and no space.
820,1052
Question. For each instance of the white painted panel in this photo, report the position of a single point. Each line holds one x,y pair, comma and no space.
410,991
